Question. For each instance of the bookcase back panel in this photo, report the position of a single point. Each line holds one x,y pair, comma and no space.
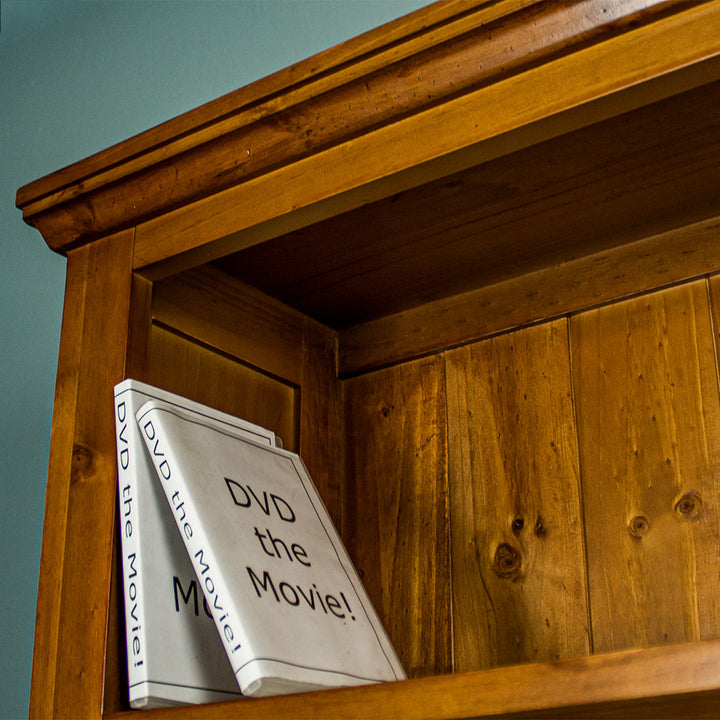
519,588
649,427
568,469
396,501
535,495
181,365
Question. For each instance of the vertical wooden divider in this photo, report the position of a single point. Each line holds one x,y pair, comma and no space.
80,504
396,526
321,419
649,428
138,349
519,584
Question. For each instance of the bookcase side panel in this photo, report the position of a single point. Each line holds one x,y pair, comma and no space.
396,523
649,432
519,585
74,590
56,495
211,309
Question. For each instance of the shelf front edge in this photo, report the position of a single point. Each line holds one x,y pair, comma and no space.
681,676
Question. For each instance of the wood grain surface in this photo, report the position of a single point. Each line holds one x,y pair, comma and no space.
519,591
396,521
585,282
662,683
605,186
74,586
649,428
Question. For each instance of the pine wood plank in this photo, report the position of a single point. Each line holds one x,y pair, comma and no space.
396,506
714,295
649,429
75,582
180,365
670,257
519,587
674,682
513,113
321,417
54,537
139,323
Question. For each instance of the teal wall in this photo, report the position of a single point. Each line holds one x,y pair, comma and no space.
75,77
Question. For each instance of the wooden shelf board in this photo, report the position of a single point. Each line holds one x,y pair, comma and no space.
587,192
682,678
658,261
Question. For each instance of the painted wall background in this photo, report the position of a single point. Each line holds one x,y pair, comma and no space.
75,77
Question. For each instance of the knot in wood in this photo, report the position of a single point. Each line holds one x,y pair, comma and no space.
518,524
385,410
539,527
82,463
507,561
638,526
689,505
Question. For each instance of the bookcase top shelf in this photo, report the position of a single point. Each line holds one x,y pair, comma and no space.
447,89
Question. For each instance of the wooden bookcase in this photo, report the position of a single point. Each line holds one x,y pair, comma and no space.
466,264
